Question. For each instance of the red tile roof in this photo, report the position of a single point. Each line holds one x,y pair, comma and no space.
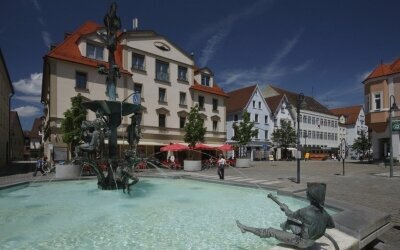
351,113
239,98
216,90
68,50
385,70
310,103
274,101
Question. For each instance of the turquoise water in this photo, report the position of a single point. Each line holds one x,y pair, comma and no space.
158,214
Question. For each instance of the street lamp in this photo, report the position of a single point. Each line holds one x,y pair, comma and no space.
300,102
392,107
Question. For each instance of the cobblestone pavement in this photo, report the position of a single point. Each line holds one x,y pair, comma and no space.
363,184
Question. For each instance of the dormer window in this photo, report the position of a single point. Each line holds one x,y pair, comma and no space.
94,51
205,80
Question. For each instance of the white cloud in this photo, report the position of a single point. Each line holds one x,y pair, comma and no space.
217,32
270,72
30,86
36,4
27,111
29,99
303,66
46,38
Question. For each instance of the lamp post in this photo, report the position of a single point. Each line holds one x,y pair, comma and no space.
300,99
392,107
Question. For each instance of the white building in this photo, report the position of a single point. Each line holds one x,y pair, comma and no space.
251,100
318,126
281,110
352,122
167,78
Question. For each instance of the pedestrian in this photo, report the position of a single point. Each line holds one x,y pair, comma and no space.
40,165
221,165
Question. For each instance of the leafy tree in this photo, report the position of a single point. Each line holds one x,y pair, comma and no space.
285,136
194,128
71,125
362,145
244,131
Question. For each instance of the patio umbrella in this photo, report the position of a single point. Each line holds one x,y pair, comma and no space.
201,146
225,147
174,147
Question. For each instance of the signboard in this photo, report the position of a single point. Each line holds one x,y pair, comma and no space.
136,98
343,148
396,125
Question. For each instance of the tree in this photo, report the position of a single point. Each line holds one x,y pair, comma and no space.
362,145
194,128
285,136
244,131
71,125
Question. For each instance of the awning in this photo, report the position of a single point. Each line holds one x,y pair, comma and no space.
141,143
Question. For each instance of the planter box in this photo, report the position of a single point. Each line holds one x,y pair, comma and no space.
68,171
191,166
243,163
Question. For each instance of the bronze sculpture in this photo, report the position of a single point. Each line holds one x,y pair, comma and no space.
306,224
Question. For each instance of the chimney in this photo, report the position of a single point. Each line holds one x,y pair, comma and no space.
135,22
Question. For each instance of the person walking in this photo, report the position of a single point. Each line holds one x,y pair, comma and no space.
221,165
40,165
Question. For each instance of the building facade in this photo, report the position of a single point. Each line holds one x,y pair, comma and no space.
17,139
318,126
351,124
381,90
250,100
166,76
6,92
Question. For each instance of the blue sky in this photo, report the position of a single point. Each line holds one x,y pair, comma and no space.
320,48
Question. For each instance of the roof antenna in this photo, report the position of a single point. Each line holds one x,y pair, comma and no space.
312,91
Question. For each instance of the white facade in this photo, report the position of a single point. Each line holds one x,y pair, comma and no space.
284,112
260,113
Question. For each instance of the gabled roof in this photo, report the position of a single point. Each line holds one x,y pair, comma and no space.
350,113
6,70
385,70
36,126
310,103
274,101
239,98
69,51
215,89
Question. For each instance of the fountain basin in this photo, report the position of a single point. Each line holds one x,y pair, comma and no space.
191,166
158,214
68,171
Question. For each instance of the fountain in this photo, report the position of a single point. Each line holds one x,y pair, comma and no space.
108,117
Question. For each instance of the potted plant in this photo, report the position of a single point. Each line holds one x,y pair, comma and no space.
243,134
194,134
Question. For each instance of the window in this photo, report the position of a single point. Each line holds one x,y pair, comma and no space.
81,80
205,80
215,125
215,104
256,118
94,51
182,73
377,101
304,133
266,119
137,88
304,119
313,120
162,69
317,121
254,104
182,121
309,119
161,95
309,134
138,62
201,102
235,118
282,109
182,98
329,123
313,135
266,134
259,105
161,120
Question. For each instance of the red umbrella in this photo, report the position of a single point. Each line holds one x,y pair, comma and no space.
174,147
201,146
225,147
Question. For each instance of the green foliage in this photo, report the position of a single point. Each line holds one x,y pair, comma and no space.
285,136
73,118
244,131
362,144
194,127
